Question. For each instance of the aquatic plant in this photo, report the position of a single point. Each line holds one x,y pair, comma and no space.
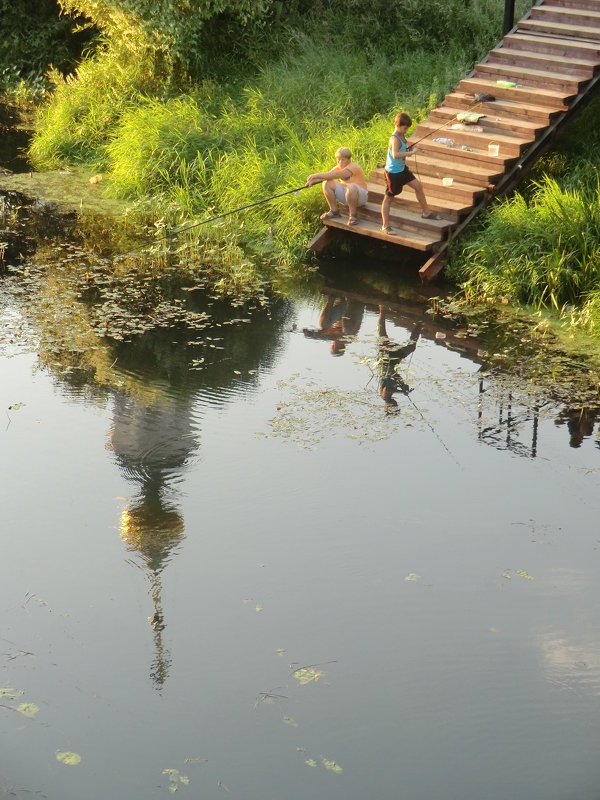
544,252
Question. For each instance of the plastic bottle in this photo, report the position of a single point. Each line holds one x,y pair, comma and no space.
444,140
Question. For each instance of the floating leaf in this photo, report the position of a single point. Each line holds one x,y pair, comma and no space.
306,675
280,651
524,574
175,779
331,765
10,694
310,762
290,721
68,758
412,576
506,574
28,709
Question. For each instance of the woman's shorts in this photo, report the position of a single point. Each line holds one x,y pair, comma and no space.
340,194
396,181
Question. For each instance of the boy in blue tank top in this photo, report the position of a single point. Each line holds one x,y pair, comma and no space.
397,174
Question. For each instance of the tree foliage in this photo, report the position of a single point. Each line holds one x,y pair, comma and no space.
34,34
167,32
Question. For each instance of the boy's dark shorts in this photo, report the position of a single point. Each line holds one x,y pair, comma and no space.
396,181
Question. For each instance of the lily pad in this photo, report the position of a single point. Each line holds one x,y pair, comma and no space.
524,574
28,709
10,693
68,758
306,675
331,765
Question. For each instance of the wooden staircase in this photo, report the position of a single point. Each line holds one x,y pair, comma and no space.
552,56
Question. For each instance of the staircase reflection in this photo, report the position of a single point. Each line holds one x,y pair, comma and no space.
508,413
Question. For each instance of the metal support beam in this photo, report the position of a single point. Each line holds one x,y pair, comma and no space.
509,16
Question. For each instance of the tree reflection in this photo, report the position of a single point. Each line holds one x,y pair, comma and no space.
171,352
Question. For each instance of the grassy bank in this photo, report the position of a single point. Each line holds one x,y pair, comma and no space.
540,248
186,134
256,118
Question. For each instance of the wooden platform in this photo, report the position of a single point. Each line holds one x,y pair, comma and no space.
552,56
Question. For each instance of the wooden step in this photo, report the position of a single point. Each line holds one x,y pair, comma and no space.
439,166
592,5
523,76
552,45
510,146
541,97
368,227
513,108
405,219
494,124
567,15
450,208
433,187
582,68
477,155
543,26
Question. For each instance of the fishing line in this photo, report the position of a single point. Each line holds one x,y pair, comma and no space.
220,216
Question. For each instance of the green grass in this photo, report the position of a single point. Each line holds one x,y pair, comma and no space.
260,113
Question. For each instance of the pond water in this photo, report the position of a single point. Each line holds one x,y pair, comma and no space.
232,569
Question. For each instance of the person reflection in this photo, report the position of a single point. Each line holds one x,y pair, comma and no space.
153,441
580,423
339,320
390,356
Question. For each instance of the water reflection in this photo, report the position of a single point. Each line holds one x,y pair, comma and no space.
152,444
580,423
155,435
340,320
391,354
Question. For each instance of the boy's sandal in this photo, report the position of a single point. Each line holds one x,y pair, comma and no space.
388,229
352,221
330,214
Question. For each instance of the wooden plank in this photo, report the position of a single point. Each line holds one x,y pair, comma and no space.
495,124
409,220
552,45
512,108
373,230
408,199
593,5
523,76
510,146
439,166
322,240
575,32
582,68
567,15
432,267
547,98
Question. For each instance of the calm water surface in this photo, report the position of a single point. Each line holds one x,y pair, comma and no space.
230,570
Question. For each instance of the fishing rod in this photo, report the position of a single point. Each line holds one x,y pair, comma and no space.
480,97
228,213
